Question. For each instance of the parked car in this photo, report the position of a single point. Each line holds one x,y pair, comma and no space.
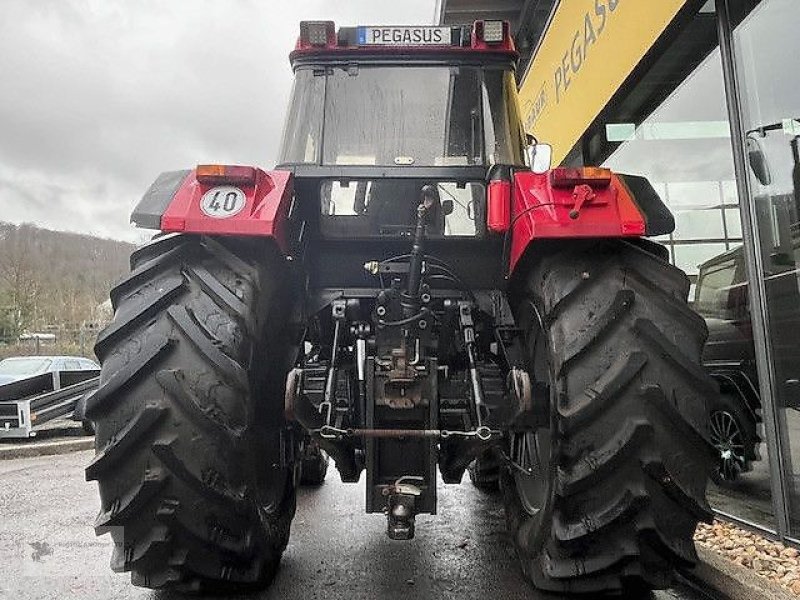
729,356
22,367
734,417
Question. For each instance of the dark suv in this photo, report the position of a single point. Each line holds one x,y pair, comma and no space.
721,298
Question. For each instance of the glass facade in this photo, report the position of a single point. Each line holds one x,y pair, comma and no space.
716,128
764,37
684,149
683,146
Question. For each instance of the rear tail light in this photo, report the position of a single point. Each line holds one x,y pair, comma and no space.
225,174
595,177
498,199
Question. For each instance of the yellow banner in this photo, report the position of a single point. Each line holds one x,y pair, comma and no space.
588,50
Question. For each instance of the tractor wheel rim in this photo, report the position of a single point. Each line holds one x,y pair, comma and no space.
728,438
532,451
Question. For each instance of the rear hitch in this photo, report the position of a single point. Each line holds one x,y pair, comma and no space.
401,508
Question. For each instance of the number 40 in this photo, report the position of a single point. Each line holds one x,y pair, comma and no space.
228,204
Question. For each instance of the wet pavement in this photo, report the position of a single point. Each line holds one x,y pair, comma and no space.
48,550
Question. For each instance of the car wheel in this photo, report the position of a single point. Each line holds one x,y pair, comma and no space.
733,432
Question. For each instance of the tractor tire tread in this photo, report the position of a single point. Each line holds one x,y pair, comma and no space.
631,445
179,443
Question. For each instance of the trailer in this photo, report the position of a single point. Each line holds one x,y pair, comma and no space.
27,404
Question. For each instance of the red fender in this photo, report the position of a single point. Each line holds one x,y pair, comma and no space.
173,203
541,210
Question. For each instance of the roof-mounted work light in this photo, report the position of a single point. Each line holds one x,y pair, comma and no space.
317,33
493,32
492,35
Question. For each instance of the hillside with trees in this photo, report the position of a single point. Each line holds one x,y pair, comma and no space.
56,282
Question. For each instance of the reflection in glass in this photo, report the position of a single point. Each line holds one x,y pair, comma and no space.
735,418
771,108
689,257
684,148
698,224
733,223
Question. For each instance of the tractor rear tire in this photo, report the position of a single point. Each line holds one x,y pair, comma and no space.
88,427
191,445
315,464
606,498
79,415
484,472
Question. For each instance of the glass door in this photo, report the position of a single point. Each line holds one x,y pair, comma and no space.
766,42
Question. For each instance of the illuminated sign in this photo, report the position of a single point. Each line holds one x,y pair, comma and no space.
587,52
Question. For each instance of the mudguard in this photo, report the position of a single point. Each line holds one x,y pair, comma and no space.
173,204
626,207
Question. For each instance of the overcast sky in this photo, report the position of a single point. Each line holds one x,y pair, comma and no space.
97,97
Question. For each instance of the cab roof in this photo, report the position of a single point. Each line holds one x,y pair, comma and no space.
482,40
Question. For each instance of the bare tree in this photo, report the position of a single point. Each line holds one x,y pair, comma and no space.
18,275
54,280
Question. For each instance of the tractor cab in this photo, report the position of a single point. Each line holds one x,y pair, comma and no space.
378,113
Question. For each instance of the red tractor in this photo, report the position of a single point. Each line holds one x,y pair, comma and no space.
412,291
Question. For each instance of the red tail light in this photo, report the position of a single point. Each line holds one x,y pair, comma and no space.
596,177
498,205
225,174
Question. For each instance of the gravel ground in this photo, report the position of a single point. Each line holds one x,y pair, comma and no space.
769,559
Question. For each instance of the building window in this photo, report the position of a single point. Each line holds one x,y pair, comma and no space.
684,148
765,40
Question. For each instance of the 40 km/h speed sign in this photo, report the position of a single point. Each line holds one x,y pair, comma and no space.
222,202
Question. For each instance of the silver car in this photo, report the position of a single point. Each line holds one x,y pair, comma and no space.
22,367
